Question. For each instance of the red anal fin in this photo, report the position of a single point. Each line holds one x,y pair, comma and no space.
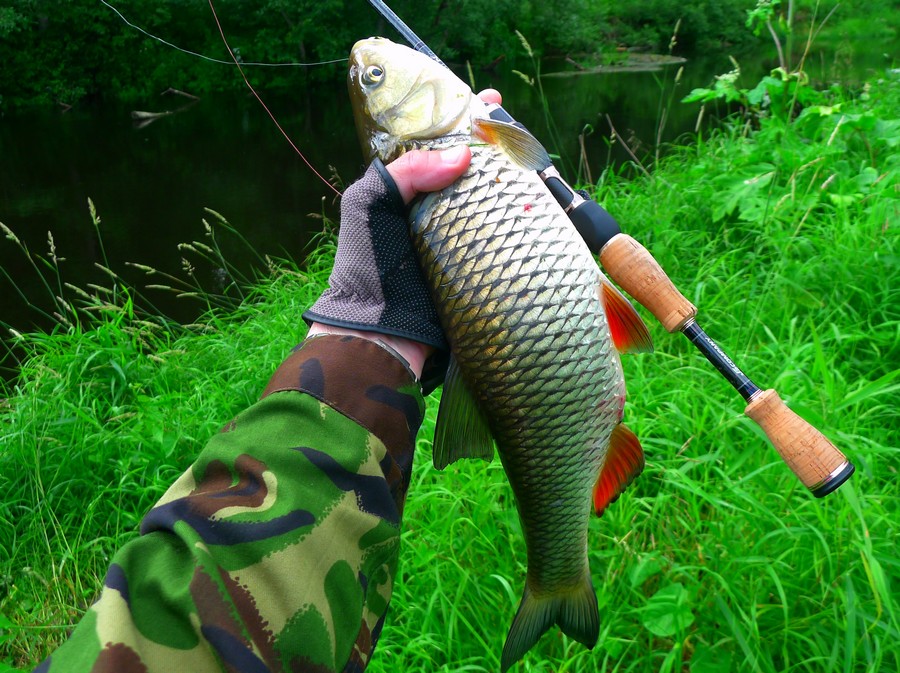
629,333
624,462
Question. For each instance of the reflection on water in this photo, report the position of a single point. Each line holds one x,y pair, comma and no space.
150,184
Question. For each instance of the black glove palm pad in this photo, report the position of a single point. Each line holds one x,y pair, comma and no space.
376,284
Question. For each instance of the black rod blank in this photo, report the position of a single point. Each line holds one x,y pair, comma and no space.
720,360
404,30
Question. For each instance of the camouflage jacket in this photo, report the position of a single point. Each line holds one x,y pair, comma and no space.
276,550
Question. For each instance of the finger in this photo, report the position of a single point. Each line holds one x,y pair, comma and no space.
490,96
427,171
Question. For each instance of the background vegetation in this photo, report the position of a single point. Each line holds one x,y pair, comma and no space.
781,226
66,50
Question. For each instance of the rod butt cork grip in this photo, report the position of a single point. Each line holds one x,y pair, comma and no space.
816,461
640,275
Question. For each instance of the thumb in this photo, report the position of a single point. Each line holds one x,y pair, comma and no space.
427,171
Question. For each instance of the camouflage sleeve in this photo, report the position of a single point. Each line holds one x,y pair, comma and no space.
276,550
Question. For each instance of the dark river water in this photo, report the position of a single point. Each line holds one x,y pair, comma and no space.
150,184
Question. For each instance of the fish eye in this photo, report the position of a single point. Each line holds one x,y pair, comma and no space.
373,75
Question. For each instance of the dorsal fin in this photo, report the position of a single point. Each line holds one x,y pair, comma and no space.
461,430
624,462
628,330
522,147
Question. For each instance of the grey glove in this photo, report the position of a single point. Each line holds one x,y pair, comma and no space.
376,284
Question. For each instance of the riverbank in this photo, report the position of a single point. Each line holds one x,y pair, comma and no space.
784,232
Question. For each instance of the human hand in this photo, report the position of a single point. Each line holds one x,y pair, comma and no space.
376,290
356,302
490,96
419,171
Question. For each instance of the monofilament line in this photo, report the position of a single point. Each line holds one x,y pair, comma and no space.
268,111
210,58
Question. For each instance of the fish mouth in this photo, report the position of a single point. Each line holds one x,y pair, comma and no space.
375,138
367,128
362,52
366,53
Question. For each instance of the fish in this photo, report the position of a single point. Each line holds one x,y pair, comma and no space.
534,328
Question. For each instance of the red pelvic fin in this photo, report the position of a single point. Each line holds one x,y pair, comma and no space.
629,333
624,462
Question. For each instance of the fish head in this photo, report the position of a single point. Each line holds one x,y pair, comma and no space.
402,99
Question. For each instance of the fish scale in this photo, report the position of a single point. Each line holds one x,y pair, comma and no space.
492,246
525,310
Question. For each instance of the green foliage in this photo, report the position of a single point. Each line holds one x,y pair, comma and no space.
794,261
482,30
851,19
67,50
828,157
775,96
668,611
762,14
109,409
782,231
56,51
11,21
706,25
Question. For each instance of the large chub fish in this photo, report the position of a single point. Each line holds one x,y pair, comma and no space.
533,325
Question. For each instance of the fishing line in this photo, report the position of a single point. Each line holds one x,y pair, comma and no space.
243,75
210,58
268,111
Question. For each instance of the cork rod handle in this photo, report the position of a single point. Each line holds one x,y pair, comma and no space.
816,461
640,275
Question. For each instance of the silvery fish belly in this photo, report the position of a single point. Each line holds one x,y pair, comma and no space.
519,297
534,328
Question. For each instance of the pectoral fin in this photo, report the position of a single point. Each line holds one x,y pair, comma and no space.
461,430
624,462
522,147
628,330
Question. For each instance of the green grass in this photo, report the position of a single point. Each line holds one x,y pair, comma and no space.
716,559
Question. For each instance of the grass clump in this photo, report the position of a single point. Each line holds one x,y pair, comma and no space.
106,413
782,230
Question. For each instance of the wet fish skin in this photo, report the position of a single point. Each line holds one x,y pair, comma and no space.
517,292
521,300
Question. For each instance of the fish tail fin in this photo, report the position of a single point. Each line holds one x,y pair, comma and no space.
575,611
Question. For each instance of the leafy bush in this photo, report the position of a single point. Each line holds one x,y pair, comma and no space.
782,232
703,26
56,51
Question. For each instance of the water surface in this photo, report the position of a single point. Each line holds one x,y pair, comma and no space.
150,184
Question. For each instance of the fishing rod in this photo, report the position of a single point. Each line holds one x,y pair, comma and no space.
818,463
